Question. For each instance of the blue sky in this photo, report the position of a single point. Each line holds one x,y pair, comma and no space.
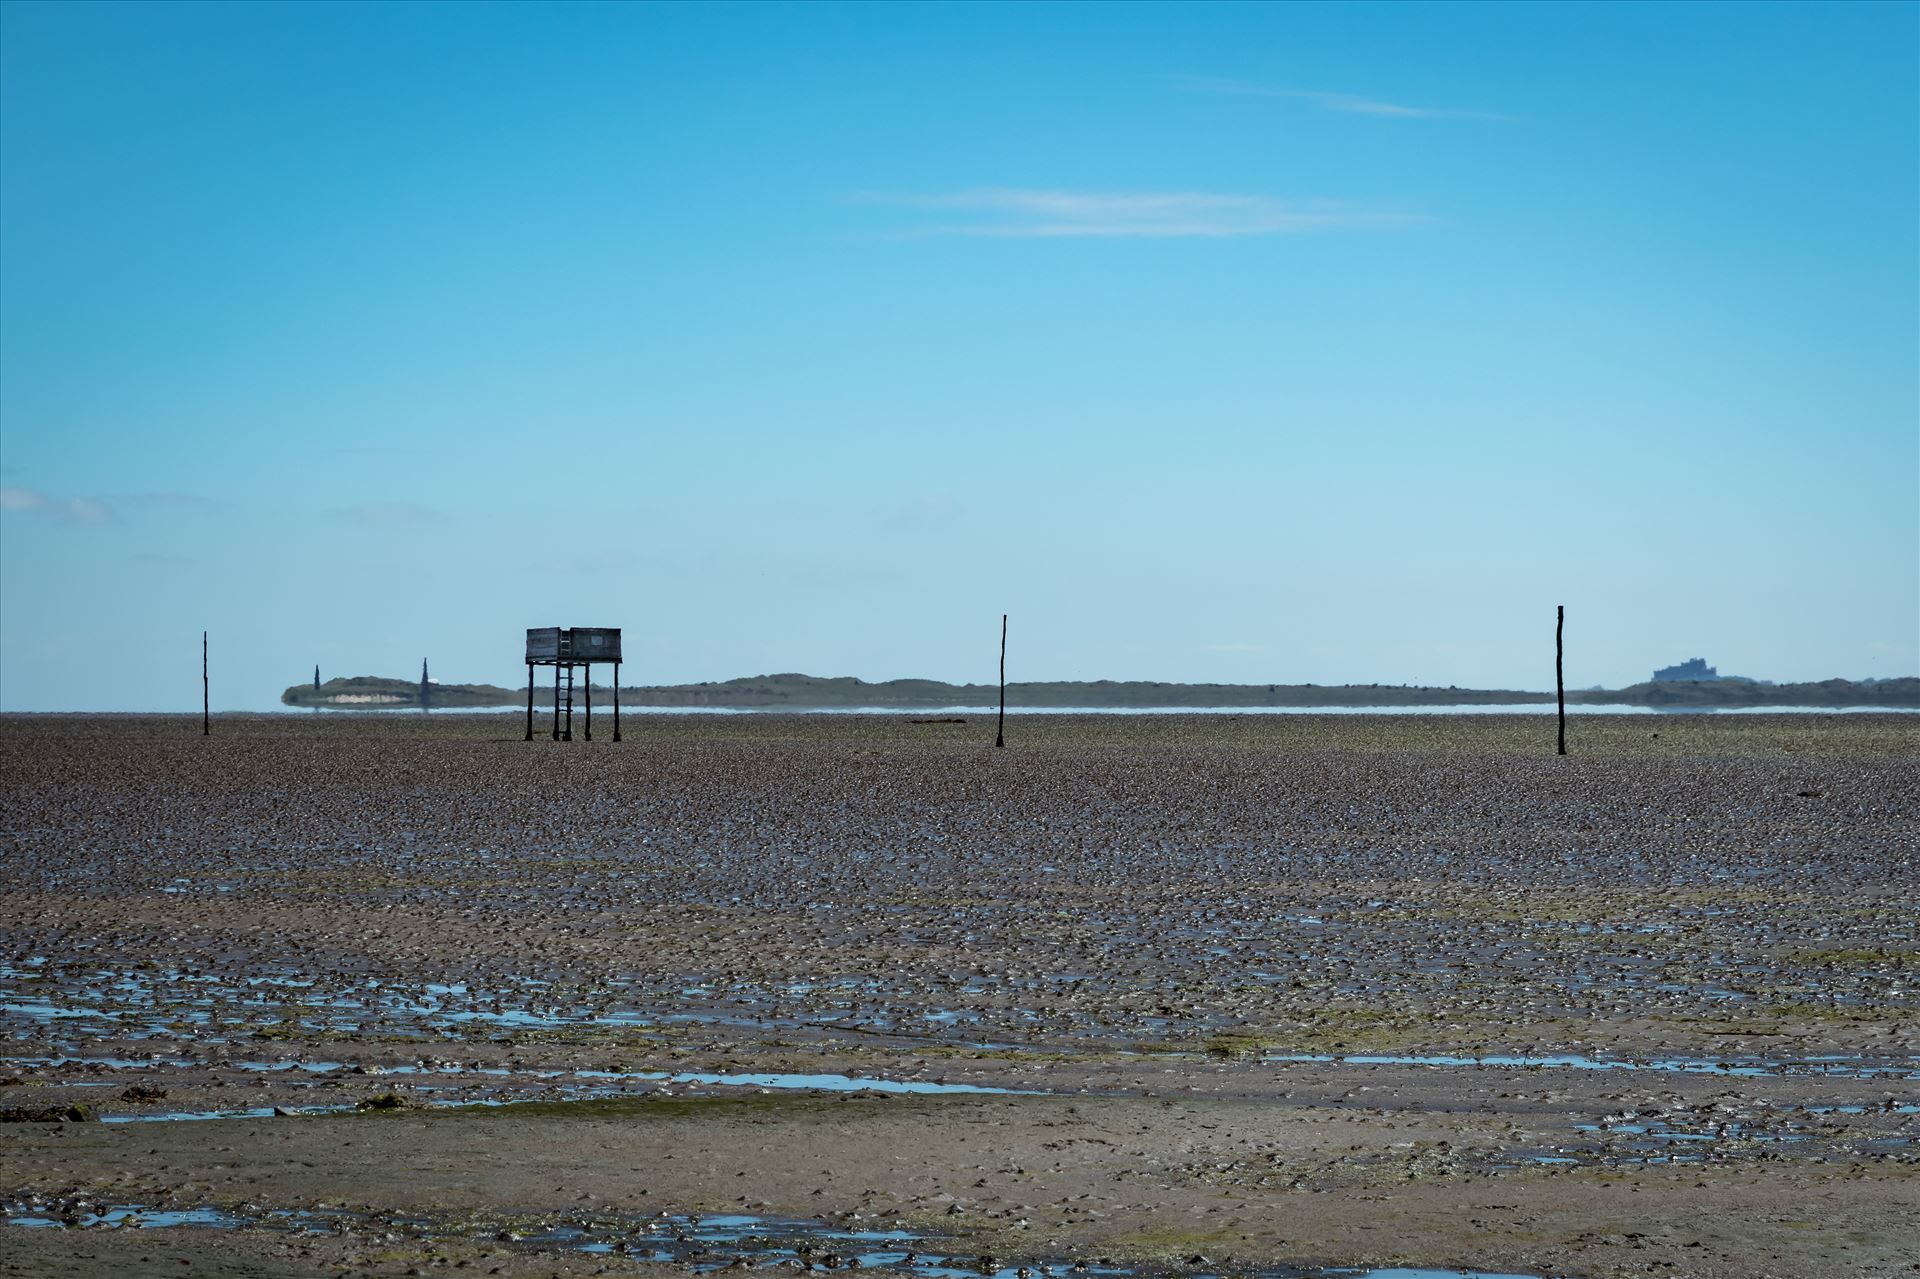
1245,343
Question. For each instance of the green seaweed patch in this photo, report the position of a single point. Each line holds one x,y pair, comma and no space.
282,1030
1346,1029
1862,1014
1167,1244
384,1101
1234,1045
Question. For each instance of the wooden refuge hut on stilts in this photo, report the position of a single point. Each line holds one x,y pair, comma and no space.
565,648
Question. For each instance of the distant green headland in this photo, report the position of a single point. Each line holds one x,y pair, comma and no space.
810,692
375,692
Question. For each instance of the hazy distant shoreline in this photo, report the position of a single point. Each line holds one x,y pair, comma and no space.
807,692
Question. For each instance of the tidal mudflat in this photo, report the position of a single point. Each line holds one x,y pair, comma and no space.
1199,994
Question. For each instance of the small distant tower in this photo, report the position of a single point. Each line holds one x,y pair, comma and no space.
316,677
426,696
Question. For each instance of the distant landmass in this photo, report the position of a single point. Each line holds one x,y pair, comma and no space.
375,692
811,692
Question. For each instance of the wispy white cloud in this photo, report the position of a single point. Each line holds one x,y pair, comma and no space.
1349,103
87,510
1024,212
65,510
166,501
384,514
923,514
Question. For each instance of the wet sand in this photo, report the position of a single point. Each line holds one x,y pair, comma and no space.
1302,991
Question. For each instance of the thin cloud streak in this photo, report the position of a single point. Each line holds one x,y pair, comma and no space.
1348,103
167,501
924,514
384,514
1024,212
63,510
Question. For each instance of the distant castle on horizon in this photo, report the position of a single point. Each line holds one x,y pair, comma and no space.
1694,668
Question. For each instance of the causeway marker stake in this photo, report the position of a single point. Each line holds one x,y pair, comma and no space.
1000,733
1560,669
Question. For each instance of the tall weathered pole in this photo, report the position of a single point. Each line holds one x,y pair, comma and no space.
616,701
589,701
206,712
1560,669
1000,733
529,736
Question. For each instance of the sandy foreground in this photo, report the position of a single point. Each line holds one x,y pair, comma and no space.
1266,993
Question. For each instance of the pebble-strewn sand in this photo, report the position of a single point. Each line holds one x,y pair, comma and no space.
1151,918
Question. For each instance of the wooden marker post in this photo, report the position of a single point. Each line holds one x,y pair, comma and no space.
206,709
616,701
529,736
1000,733
1560,669
589,701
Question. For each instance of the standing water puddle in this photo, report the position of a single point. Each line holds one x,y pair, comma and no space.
603,1085
701,1243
